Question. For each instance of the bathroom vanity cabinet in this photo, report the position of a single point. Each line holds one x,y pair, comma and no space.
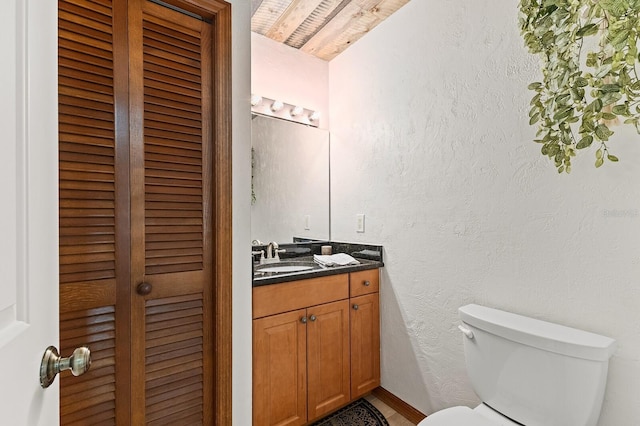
316,346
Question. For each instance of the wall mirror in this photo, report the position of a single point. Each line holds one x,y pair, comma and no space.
290,181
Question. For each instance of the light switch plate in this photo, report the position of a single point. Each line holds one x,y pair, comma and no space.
307,222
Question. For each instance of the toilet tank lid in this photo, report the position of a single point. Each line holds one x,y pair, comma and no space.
539,334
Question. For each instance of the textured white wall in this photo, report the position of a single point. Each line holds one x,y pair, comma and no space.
241,169
430,139
290,181
289,75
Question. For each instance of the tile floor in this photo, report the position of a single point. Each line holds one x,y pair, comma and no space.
394,419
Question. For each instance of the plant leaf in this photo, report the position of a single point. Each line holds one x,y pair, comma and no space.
534,118
587,30
581,82
603,132
585,142
610,88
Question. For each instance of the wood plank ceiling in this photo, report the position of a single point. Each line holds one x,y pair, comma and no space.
323,28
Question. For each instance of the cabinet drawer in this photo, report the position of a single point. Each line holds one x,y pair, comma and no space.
364,282
284,297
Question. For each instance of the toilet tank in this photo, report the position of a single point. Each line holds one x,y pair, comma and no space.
535,372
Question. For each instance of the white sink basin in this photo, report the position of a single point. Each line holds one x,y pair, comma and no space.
288,266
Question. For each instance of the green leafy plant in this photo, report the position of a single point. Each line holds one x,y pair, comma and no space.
576,104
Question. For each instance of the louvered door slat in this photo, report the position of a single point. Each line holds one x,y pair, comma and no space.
98,195
159,189
154,103
73,148
168,144
172,136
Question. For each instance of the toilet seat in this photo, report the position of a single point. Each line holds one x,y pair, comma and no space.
456,416
482,415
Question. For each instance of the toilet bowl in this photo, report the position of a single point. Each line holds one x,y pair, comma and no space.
529,372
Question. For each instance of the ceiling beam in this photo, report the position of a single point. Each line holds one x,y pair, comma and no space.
355,20
267,13
297,12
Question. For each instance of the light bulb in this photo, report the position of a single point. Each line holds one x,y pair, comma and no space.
297,111
256,100
276,106
314,116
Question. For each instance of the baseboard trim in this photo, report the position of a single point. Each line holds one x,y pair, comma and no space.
401,407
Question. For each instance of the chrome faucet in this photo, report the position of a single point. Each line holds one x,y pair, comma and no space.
273,253
260,252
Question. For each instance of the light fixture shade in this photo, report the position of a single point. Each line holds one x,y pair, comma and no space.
269,107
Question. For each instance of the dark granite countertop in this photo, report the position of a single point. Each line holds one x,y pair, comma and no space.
369,256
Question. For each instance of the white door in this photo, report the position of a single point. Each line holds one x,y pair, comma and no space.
28,209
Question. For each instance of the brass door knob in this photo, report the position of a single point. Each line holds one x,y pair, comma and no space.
366,283
355,307
303,320
52,363
312,317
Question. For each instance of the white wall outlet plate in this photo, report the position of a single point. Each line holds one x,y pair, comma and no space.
360,222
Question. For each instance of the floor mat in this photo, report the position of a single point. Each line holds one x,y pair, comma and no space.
358,413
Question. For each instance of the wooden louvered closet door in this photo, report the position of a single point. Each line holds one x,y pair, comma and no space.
136,212
171,197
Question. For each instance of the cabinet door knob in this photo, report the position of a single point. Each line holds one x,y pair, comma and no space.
303,320
144,288
312,317
366,283
355,307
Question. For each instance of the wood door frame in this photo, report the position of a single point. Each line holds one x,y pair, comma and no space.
222,246
219,12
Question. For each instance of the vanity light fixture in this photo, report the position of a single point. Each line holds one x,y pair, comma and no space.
256,100
277,106
261,105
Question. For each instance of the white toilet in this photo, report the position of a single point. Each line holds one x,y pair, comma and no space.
529,372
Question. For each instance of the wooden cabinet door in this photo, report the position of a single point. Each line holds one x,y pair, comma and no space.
328,357
280,370
365,344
